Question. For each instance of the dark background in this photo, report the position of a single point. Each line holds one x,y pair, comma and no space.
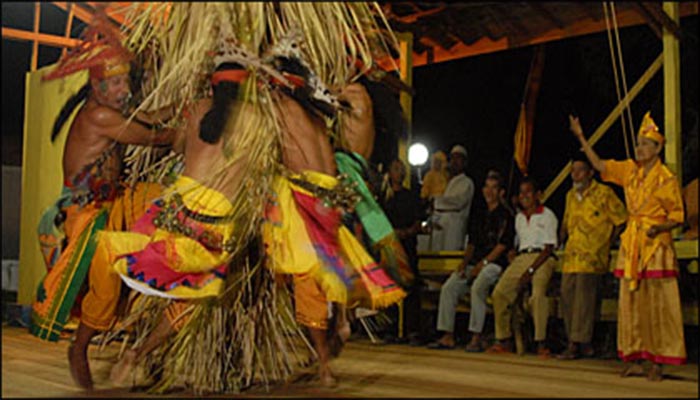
473,101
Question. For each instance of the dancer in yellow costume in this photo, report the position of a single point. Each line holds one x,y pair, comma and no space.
296,69
649,319
93,198
181,248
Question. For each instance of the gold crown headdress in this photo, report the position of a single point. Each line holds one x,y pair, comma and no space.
649,130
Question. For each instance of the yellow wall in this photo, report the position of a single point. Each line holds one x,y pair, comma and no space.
42,174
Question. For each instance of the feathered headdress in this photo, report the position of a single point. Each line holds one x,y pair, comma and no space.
100,51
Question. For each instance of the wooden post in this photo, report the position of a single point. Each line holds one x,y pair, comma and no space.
672,94
608,122
35,42
69,24
406,73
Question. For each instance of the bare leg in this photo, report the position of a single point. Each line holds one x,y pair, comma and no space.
343,326
125,365
77,356
318,336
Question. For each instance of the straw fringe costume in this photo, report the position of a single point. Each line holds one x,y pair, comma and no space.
246,333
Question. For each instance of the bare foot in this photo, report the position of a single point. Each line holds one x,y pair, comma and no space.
123,367
79,368
327,378
632,369
655,373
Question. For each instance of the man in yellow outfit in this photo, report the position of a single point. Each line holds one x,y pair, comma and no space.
649,319
592,219
92,199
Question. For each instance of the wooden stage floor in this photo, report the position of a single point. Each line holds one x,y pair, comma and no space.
32,368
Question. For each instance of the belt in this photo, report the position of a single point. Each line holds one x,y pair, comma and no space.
530,250
446,211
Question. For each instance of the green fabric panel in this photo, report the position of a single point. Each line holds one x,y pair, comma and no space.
373,219
50,326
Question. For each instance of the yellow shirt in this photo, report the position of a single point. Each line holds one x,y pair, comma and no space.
589,222
434,184
651,200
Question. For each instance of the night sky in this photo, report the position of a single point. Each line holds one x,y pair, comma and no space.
473,101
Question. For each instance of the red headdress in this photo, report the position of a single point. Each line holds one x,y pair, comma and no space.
100,51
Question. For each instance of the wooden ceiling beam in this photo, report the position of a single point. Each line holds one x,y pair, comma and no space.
625,18
544,12
42,38
649,18
662,18
411,18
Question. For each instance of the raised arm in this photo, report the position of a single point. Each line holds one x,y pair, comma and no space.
575,127
112,124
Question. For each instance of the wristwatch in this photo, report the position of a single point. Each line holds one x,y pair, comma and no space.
531,271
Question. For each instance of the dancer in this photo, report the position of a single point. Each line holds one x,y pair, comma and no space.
649,319
182,247
93,198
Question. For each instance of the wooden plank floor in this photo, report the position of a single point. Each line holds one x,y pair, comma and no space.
32,368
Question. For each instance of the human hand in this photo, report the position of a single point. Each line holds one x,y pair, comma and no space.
653,231
525,278
475,271
575,126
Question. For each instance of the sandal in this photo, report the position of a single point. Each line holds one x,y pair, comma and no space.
474,348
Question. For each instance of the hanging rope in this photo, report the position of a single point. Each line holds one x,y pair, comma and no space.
615,75
628,107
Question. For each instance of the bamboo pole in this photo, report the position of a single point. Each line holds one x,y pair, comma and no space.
406,73
672,94
35,42
69,25
609,121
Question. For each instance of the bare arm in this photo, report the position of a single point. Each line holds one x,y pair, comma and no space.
575,127
112,124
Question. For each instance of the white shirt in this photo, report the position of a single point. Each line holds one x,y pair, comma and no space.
537,231
452,213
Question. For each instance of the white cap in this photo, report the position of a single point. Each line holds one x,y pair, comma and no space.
459,149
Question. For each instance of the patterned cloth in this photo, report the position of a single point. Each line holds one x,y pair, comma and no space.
374,221
180,248
589,222
303,235
59,293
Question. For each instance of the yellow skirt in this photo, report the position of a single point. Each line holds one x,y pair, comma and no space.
178,248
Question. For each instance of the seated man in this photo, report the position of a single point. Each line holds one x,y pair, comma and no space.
536,230
490,238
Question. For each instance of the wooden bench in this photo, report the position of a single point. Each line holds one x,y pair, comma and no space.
435,267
